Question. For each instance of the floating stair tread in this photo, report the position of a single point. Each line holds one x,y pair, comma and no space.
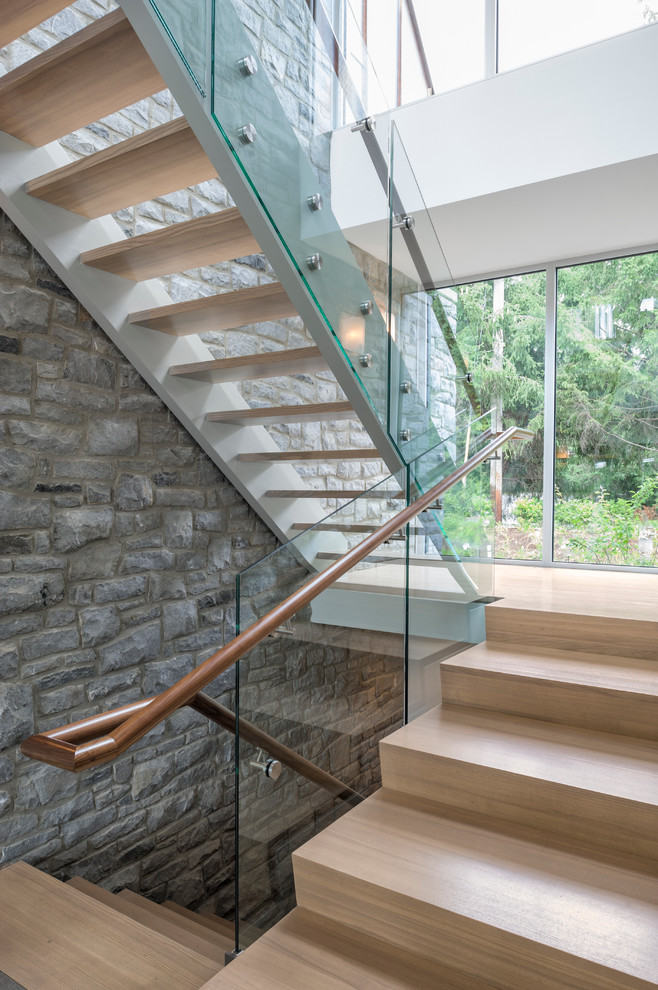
273,364
501,908
89,75
580,759
53,937
152,164
303,413
226,311
141,912
615,694
325,493
204,241
17,17
213,923
363,453
189,926
308,952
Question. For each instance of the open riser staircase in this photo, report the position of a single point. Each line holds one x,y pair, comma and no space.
65,209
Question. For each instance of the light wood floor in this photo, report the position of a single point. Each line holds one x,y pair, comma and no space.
618,594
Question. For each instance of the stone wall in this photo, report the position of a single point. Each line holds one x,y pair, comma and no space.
119,545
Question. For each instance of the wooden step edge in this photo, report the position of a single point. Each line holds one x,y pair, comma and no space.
186,925
463,895
315,493
48,927
210,922
17,18
206,240
223,311
307,951
560,699
310,413
272,364
151,164
94,72
366,453
142,915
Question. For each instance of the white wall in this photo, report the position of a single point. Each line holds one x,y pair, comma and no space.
552,160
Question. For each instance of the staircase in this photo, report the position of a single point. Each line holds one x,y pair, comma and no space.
514,843
65,209
77,936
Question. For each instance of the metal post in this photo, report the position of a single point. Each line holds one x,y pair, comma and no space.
549,413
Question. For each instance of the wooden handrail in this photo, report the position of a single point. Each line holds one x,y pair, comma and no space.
80,747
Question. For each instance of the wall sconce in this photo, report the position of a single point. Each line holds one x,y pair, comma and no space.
353,334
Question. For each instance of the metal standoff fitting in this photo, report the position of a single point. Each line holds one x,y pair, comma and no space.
315,202
405,436
365,360
314,262
248,65
404,223
248,134
367,124
271,768
366,307
405,388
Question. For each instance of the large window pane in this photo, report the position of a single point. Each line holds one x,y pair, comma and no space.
495,331
606,463
453,36
528,32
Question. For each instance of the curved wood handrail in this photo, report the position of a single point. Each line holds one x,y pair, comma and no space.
104,737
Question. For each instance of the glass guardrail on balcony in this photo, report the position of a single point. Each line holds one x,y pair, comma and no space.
351,666
278,88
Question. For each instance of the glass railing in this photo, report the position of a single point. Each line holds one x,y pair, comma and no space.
351,666
277,89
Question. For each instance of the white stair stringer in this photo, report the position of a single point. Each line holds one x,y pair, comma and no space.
61,236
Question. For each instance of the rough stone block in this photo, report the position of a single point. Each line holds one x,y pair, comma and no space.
97,625
17,710
130,649
178,528
121,589
179,619
15,375
90,369
26,592
147,560
16,468
18,512
53,641
112,436
93,562
44,437
74,528
23,308
133,492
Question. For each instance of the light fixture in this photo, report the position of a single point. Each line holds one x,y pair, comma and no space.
353,333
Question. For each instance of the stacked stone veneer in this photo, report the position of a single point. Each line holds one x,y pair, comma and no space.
119,544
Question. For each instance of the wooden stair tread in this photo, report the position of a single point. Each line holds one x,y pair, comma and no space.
19,18
364,453
139,909
329,493
212,922
600,763
308,952
203,241
225,311
185,923
53,937
607,633
303,413
152,164
273,364
93,73
488,904
614,694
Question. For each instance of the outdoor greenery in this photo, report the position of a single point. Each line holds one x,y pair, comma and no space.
606,502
